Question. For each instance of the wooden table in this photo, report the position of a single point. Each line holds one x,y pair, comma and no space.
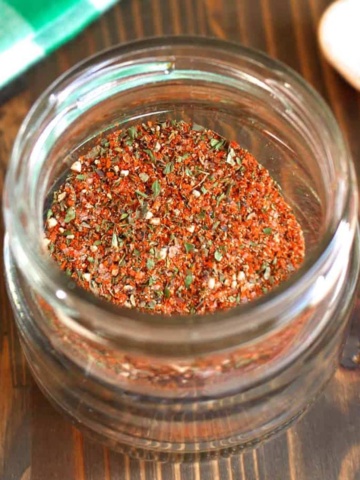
35,441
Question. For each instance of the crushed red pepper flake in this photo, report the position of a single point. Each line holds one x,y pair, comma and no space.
172,218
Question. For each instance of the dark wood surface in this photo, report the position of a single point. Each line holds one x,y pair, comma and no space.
36,443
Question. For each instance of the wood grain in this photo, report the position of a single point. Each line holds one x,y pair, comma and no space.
36,443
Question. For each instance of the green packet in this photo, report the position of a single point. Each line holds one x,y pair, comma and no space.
30,29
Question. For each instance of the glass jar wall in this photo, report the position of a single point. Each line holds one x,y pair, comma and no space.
162,386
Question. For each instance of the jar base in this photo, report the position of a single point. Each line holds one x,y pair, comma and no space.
74,400
163,454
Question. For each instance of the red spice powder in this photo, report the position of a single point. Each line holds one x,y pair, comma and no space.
172,218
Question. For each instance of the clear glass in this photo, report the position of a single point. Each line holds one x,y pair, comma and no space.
157,386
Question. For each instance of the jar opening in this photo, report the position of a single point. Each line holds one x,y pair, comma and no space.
242,95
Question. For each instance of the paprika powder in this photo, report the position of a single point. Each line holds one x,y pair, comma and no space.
172,218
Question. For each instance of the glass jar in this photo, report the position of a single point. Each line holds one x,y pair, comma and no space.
157,386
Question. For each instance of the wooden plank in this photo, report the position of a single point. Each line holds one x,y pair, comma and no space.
54,452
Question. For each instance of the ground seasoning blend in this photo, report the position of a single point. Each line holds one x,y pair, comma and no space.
172,218
166,218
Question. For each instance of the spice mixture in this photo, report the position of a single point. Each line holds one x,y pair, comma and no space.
172,218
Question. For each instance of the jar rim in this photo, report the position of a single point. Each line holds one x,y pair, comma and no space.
249,320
